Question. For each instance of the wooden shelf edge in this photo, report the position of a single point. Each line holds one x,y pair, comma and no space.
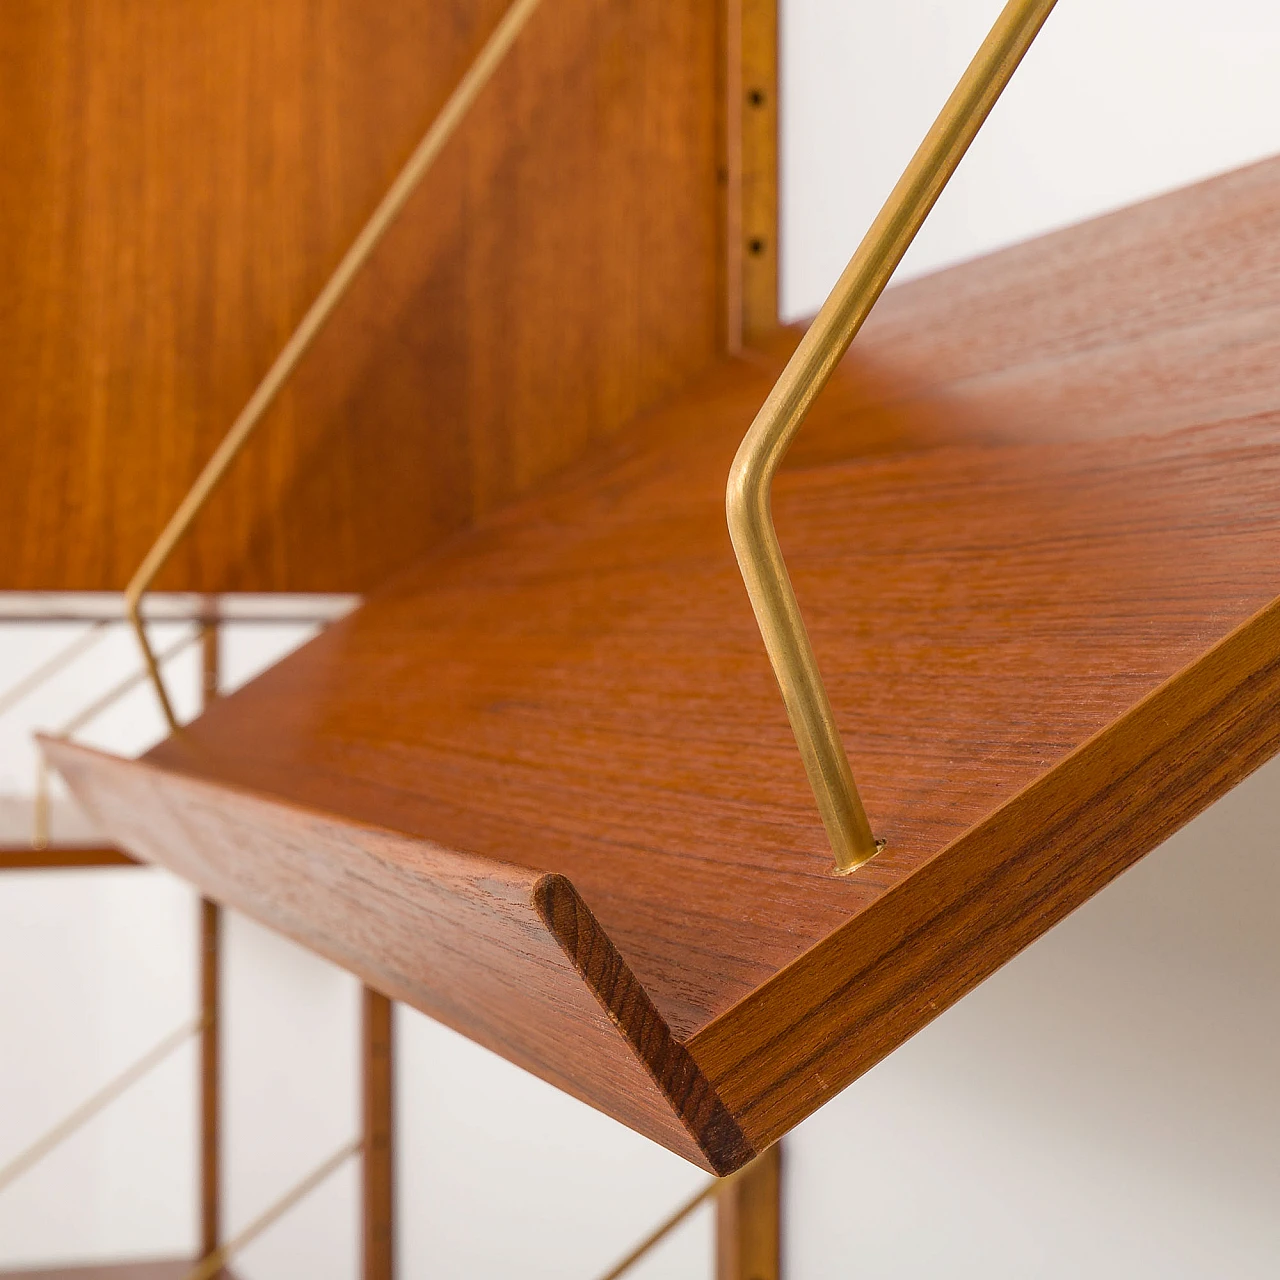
62,858
847,1003
511,957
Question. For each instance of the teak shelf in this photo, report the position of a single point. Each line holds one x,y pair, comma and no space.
540,784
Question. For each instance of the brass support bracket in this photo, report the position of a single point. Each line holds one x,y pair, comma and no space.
442,128
755,542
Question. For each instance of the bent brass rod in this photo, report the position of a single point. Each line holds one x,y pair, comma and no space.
750,517
442,128
40,802
92,1106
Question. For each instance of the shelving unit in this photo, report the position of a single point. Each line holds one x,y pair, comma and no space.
540,784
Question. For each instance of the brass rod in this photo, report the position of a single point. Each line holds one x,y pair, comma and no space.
93,1105
669,1224
40,833
212,1263
127,685
442,128
47,670
748,504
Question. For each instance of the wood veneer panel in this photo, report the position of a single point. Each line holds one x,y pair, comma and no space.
179,181
1047,646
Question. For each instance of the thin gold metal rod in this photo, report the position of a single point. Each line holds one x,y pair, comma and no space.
127,685
668,1225
40,803
755,541
213,1262
90,1108
47,670
451,115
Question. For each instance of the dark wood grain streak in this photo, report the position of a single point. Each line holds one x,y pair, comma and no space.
630,1008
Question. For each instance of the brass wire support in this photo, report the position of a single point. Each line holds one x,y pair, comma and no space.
212,1263
47,670
40,802
669,1224
442,128
93,1105
748,503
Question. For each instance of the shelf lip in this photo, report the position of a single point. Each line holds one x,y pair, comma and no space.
509,956
853,998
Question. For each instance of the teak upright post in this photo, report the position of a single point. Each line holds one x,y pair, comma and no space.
749,1222
751,170
210,930
378,1165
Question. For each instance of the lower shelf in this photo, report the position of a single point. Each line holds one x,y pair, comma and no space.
156,1269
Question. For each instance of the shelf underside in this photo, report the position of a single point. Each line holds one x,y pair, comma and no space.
542,785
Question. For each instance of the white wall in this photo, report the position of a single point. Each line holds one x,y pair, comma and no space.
513,1179
1103,1106
1118,100
1106,1105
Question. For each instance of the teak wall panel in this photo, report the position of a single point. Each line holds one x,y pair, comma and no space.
179,181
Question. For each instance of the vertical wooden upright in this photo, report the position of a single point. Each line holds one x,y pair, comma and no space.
379,1147
749,1210
749,1222
210,967
751,169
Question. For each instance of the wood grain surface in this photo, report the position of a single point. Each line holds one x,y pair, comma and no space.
510,957
749,1222
180,179
1049,641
